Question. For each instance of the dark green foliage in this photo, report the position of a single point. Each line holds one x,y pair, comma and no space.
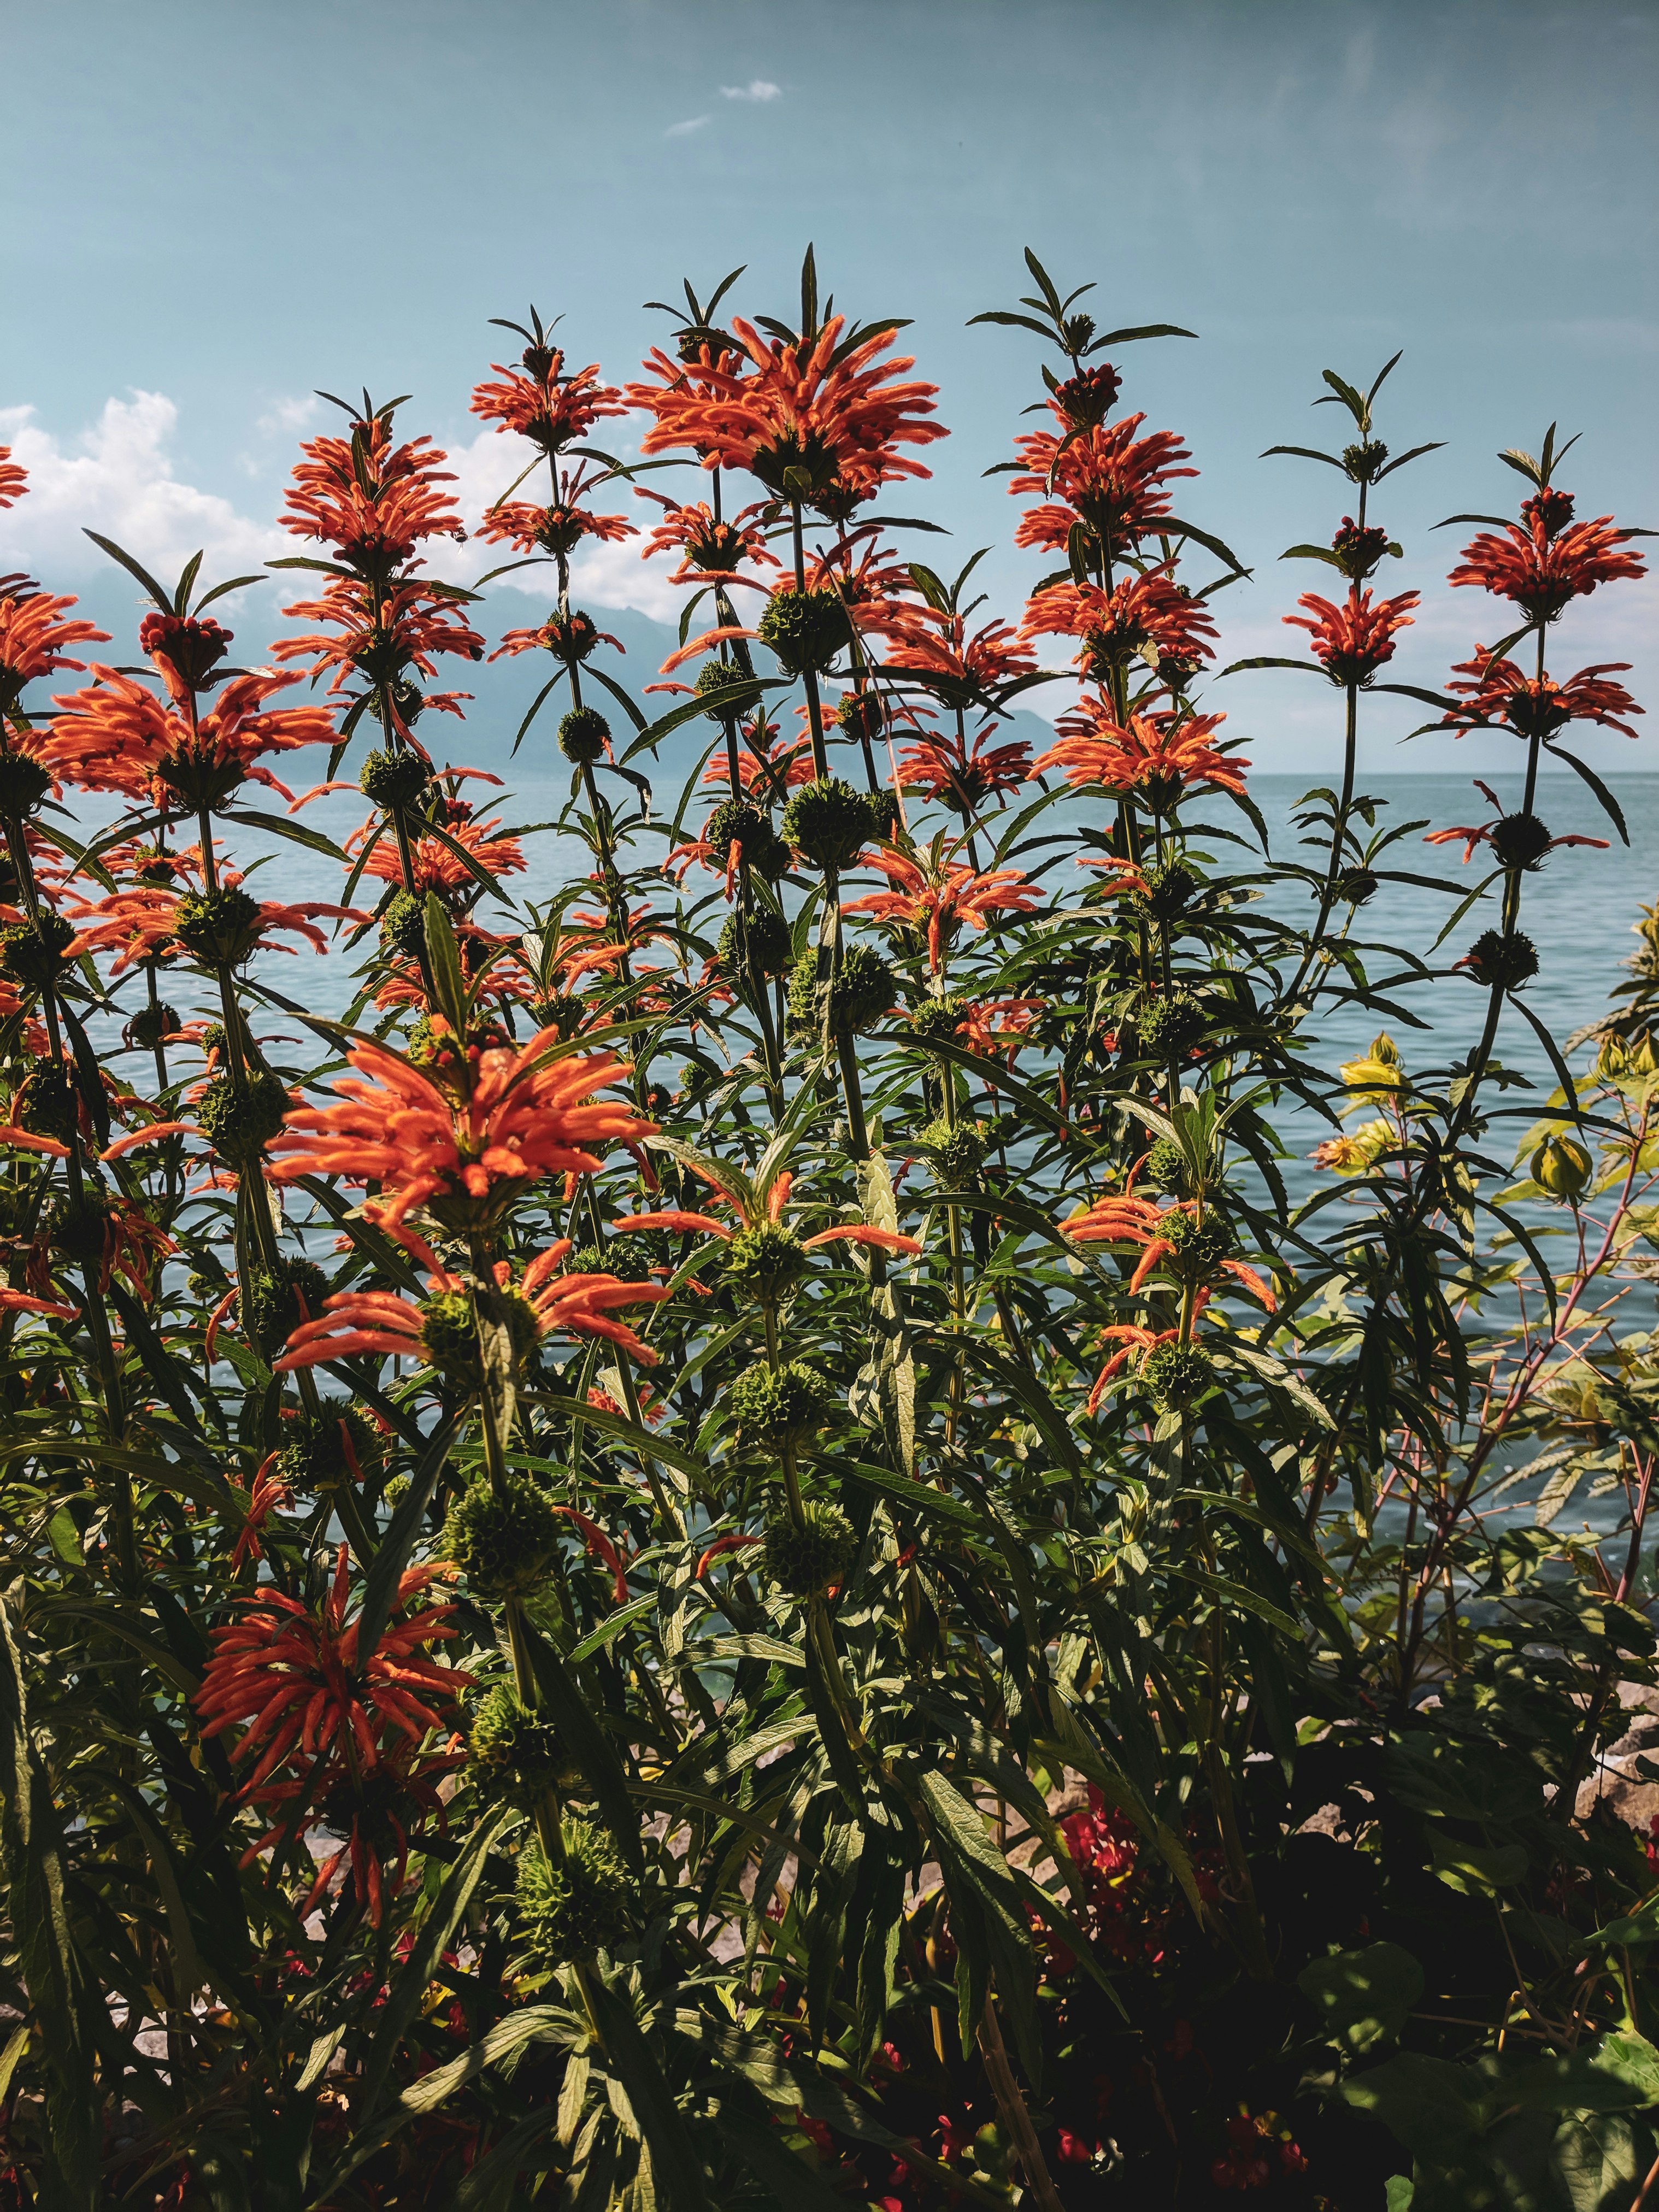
503,1540
805,1561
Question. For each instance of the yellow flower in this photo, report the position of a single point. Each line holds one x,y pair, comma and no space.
1352,1155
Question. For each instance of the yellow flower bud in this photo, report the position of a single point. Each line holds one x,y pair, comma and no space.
1562,1167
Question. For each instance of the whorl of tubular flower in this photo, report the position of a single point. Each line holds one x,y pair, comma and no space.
1104,478
1517,840
568,636
1161,755
1351,641
991,1026
142,924
967,773
437,867
934,645
684,1223
356,1322
801,421
118,736
1500,691
940,898
290,1678
373,502
1540,565
378,634
542,404
268,1493
559,527
872,582
14,478
33,632
1161,1232
525,1115
1150,611
707,545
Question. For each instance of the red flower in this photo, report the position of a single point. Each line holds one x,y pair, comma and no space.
544,405
349,1738
1162,756
942,895
1485,832
33,632
293,1677
1150,613
804,423
14,478
1353,641
184,649
1499,690
1110,482
525,1115
119,736
1540,564
269,1494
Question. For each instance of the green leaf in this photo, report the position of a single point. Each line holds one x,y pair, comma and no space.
677,2169
409,1983
1364,1997
790,2179
31,1861
560,1693
392,1556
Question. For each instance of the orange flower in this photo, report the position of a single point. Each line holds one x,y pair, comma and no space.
568,636
1353,640
964,774
997,1025
1545,561
377,634
1150,613
805,416
942,895
1162,756
526,1116
1500,691
708,545
437,868
119,736
1108,480
934,644
373,502
557,529
33,632
142,924
355,1321
546,406
1169,1231
14,478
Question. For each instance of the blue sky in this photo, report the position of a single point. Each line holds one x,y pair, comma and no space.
212,208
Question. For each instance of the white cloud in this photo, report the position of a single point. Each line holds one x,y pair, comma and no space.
116,477
288,418
757,87
684,130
